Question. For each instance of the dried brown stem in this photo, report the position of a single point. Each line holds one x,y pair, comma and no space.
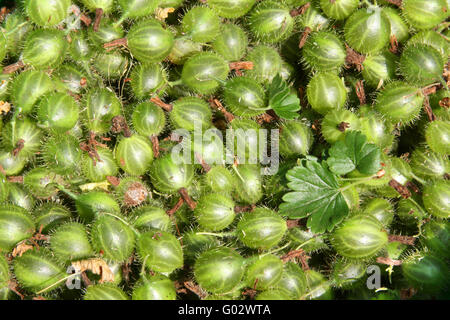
241,65
360,92
402,239
161,104
155,145
85,19
180,288
126,269
380,174
300,10
18,179
98,18
304,37
13,67
113,180
3,13
77,97
293,223
273,115
206,167
12,285
445,103
185,195
407,293
116,43
389,261
94,142
401,189
177,206
119,124
393,44
251,293
19,146
300,254
85,279
91,148
412,186
93,154
265,118
428,110
191,286
398,3
240,209
343,126
354,58
216,104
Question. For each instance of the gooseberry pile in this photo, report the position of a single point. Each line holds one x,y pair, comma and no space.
94,206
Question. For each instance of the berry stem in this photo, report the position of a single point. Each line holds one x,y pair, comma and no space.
17,27
417,205
322,287
175,83
418,179
122,19
277,250
143,266
358,182
304,243
219,235
123,221
67,192
369,4
59,281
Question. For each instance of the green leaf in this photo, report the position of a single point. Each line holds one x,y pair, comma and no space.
316,194
354,153
281,100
